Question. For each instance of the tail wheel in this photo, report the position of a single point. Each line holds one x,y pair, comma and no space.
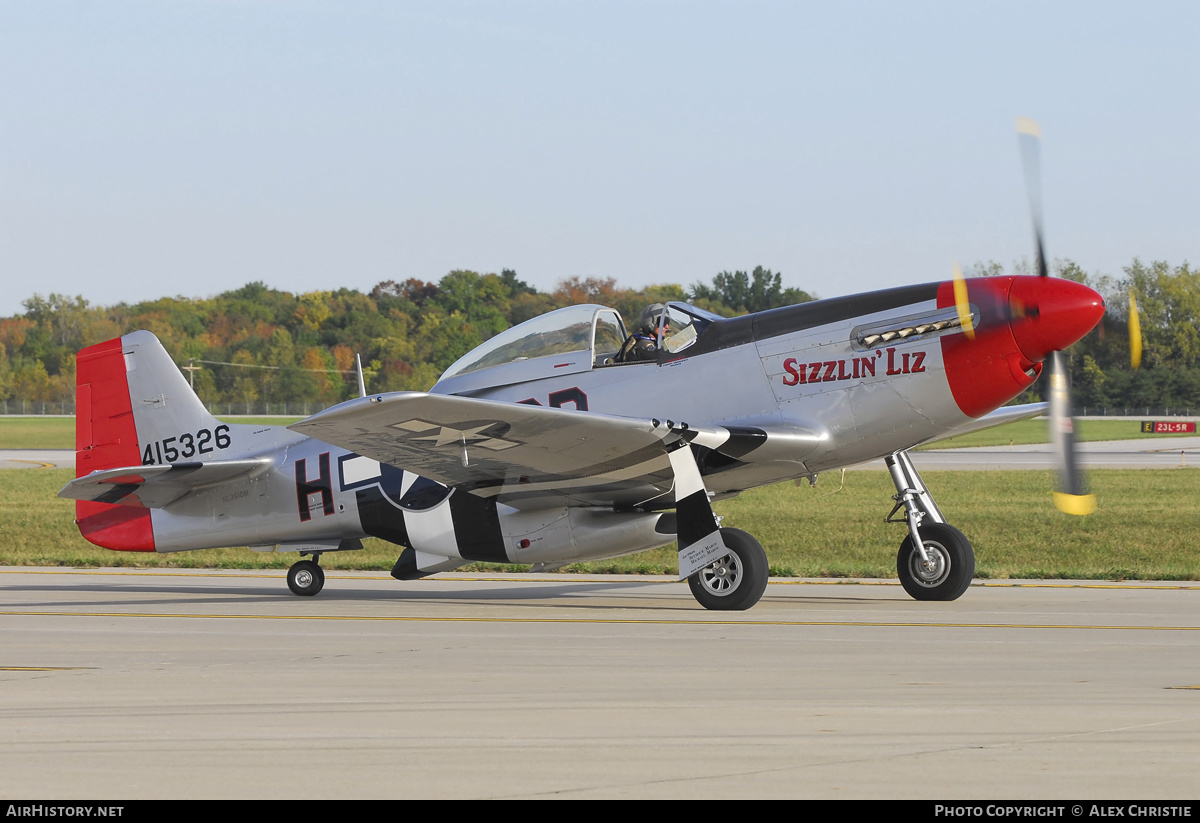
949,570
305,578
737,580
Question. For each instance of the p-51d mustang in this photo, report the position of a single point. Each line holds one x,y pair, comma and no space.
538,448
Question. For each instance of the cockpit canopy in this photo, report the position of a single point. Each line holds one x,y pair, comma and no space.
684,324
566,331
565,341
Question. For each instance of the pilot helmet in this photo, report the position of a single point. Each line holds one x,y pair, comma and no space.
650,316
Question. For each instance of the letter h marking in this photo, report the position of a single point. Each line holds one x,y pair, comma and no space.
304,488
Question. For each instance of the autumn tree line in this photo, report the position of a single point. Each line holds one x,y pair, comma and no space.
256,344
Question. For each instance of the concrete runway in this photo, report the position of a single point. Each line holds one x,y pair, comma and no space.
169,684
37,459
1163,453
1158,453
165,684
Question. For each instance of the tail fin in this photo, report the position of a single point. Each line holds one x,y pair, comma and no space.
133,407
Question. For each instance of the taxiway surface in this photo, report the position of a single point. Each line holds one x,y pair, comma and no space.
131,684
1164,453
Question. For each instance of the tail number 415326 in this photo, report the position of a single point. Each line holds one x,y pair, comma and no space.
186,446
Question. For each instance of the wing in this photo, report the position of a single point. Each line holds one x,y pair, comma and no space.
521,454
1002,415
153,487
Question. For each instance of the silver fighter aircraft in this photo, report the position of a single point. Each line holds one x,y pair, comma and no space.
539,448
544,446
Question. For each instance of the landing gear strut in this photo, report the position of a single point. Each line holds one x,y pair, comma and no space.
306,577
737,580
935,561
726,574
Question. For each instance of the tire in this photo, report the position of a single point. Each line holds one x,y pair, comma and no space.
953,564
305,578
737,580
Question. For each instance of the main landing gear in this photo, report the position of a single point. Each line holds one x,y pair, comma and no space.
737,580
306,577
935,561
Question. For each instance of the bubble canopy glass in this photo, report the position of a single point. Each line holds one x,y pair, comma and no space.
589,334
559,332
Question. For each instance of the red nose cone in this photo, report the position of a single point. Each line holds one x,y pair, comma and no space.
1049,314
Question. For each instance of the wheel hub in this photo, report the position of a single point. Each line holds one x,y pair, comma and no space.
933,571
304,578
723,576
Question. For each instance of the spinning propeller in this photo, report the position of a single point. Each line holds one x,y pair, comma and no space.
1070,496
1045,316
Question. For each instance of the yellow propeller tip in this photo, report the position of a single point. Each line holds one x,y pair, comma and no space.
1077,504
1135,332
1026,125
962,303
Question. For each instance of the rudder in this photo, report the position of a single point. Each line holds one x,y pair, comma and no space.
106,438
133,407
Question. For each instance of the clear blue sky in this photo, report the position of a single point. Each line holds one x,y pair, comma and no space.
161,148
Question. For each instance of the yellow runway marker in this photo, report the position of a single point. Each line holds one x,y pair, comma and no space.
638,580
593,621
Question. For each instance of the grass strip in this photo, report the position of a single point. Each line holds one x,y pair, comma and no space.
59,432
1144,528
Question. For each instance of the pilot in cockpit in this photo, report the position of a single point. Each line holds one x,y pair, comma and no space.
643,343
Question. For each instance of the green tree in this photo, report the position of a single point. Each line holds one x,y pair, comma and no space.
1168,301
482,300
743,293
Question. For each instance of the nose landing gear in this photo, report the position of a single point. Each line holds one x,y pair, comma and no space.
935,561
947,568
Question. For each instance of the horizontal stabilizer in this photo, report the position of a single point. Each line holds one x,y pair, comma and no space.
154,487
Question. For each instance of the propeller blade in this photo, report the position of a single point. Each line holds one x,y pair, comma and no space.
1029,134
1071,496
1135,332
963,303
